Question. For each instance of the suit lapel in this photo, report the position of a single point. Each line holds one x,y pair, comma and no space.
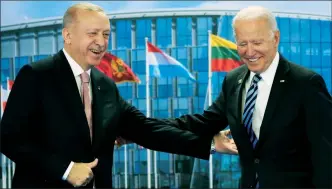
241,81
274,101
68,89
102,108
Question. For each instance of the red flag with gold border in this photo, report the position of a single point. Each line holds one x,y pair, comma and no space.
116,69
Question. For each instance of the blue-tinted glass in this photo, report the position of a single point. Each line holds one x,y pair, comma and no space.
284,30
7,48
143,29
326,74
39,57
183,34
305,30
26,46
45,44
295,29
60,41
20,62
306,55
315,30
202,77
326,55
202,89
200,59
316,55
284,49
123,32
203,25
5,71
226,28
296,53
165,91
125,91
326,29
164,30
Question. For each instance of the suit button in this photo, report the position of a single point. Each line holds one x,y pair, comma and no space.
256,161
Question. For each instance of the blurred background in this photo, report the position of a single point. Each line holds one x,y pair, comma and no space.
31,31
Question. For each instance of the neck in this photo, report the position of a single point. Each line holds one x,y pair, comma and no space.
85,67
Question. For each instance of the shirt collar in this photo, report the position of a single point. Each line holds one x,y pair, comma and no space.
268,75
75,67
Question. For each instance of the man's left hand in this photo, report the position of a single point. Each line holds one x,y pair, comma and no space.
224,144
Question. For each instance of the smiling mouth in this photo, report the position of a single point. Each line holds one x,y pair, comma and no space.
96,51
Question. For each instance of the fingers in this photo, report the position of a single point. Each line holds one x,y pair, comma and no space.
92,164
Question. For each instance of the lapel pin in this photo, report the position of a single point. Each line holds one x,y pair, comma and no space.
282,81
98,88
240,81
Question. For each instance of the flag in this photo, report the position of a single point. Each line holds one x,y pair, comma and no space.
224,55
4,94
163,65
116,69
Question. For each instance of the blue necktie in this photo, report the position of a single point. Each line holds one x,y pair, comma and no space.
249,110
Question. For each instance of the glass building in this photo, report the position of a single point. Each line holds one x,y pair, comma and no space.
182,33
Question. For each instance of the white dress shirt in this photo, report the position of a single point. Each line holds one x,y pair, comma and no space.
77,71
264,89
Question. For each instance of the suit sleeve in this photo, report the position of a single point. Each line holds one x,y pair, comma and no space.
19,130
188,135
210,122
318,112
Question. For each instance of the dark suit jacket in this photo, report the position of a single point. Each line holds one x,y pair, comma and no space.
294,148
44,126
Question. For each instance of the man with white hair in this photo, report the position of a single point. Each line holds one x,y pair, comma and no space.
279,113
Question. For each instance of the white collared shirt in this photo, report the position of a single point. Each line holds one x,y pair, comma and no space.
264,89
77,71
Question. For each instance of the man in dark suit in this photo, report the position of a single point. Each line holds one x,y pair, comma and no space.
63,115
280,113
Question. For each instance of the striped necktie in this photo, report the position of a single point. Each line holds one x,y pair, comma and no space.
248,112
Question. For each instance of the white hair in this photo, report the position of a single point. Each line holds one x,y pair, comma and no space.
256,12
70,15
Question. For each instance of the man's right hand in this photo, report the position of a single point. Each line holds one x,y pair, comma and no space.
81,173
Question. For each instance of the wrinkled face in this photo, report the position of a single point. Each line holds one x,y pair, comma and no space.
87,38
257,44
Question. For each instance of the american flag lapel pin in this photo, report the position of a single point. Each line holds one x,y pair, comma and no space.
282,81
98,88
239,81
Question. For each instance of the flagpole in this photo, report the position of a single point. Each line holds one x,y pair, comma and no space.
210,102
147,82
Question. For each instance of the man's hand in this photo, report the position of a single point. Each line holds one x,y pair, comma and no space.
224,144
121,141
81,173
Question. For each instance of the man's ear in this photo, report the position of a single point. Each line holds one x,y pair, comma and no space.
66,35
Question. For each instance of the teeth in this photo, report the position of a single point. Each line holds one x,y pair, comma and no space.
253,59
95,51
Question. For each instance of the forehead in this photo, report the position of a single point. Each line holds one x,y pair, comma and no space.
252,28
92,19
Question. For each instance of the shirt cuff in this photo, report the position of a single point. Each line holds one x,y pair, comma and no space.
64,177
213,148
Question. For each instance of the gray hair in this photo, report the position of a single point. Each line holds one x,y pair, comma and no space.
70,14
255,12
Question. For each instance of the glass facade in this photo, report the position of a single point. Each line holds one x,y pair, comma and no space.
304,41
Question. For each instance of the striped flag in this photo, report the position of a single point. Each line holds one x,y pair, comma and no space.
224,55
5,93
163,65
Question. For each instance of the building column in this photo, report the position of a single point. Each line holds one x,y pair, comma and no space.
113,34
215,25
153,31
133,34
194,31
173,32
55,41
35,44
